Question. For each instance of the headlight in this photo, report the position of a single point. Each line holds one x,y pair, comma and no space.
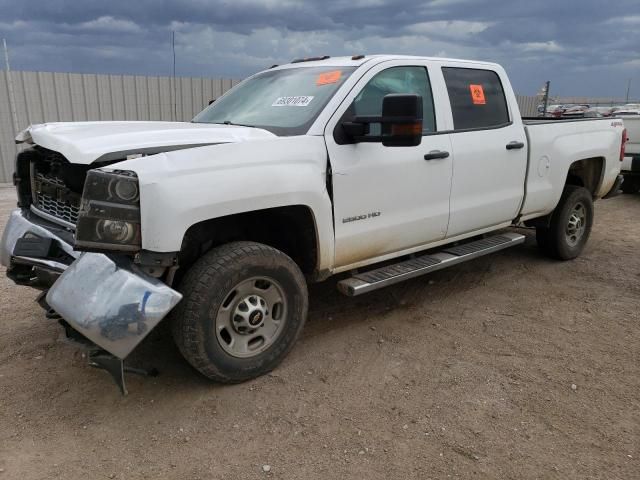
115,231
109,217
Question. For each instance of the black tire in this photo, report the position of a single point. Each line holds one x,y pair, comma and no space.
630,185
209,283
554,240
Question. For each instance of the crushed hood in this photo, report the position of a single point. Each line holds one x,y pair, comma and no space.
87,142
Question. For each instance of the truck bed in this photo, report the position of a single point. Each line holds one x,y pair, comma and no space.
554,145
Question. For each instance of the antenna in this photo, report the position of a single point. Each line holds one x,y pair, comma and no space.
175,99
12,97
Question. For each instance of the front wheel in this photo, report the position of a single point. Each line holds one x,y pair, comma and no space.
244,307
570,225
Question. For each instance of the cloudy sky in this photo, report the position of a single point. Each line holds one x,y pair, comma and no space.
585,47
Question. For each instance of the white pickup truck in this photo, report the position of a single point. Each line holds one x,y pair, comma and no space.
382,167
631,162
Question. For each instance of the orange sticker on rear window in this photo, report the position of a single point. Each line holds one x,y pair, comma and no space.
328,77
477,94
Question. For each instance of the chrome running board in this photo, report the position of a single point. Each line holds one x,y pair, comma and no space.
451,255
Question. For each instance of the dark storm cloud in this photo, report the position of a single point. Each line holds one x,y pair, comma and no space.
585,47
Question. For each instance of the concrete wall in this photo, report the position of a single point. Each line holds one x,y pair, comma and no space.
72,97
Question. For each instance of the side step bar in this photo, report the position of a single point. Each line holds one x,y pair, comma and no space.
414,267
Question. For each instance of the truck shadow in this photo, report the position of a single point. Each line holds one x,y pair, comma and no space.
330,311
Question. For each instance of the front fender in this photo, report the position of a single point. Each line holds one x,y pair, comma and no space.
182,188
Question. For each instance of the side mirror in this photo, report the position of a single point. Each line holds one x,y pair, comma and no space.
401,120
400,123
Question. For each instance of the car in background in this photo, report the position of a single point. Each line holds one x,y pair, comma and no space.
592,113
626,112
556,111
628,106
595,112
576,111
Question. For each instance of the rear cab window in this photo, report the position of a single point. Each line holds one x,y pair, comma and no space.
477,98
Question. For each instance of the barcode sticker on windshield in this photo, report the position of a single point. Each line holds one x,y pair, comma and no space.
299,101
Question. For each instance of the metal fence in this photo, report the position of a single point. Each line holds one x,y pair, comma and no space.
528,105
71,97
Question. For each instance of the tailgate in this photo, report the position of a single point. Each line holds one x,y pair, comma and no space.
632,124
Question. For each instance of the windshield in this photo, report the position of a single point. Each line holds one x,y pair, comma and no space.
285,102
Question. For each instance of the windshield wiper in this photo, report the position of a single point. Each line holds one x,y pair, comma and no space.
229,122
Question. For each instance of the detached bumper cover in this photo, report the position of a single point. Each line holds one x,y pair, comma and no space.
111,302
107,299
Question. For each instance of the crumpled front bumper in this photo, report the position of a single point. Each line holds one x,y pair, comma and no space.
105,298
111,302
32,270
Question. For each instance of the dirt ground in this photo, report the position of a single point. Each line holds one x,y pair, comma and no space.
512,366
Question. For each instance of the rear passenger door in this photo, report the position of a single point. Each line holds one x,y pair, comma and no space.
489,150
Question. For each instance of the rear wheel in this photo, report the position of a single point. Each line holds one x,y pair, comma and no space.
570,225
244,306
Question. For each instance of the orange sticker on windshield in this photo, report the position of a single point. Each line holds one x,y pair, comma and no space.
477,94
328,77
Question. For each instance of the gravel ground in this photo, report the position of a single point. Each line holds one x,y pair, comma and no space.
511,366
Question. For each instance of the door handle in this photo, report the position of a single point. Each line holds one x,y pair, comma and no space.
436,155
515,145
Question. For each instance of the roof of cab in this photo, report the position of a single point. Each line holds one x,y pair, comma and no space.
360,60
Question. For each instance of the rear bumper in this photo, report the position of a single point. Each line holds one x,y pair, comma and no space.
105,298
631,164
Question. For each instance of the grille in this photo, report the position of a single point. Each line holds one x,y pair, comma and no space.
51,194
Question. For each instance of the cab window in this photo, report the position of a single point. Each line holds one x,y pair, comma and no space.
407,80
477,98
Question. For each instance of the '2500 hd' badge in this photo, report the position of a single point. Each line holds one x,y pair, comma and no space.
361,217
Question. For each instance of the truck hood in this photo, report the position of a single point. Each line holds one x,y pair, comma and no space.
87,142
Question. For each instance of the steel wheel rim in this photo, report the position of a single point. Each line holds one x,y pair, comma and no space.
251,317
577,224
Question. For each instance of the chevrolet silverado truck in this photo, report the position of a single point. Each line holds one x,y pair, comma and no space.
379,168
631,162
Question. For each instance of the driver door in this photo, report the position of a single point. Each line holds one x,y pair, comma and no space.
388,200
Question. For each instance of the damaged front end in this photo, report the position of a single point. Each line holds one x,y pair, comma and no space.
111,302
107,299
111,295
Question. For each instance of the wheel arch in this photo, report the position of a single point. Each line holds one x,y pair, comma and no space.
291,229
587,173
